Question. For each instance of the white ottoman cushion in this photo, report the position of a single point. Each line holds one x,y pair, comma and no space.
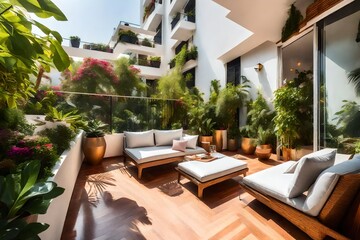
206,171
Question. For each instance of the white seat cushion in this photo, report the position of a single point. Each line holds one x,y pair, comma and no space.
206,171
148,154
166,137
308,169
139,139
272,181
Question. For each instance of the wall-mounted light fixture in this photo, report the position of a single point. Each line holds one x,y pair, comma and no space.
258,67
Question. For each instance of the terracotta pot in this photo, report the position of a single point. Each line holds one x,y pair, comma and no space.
288,153
206,139
248,145
231,144
263,151
218,140
94,149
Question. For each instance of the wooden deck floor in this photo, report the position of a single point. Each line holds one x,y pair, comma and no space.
109,202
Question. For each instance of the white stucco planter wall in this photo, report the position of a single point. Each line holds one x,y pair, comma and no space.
65,175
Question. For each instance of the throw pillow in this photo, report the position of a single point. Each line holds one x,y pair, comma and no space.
308,169
191,140
139,139
292,168
179,145
166,137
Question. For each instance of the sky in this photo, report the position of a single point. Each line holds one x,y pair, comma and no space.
93,20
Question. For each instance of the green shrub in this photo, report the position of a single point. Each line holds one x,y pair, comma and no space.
60,143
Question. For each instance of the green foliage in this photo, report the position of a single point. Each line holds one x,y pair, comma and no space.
127,34
264,136
74,38
354,77
233,132
293,106
172,85
259,118
192,53
22,51
75,120
229,100
155,58
22,195
60,143
146,42
129,81
292,23
348,119
357,146
14,119
95,128
214,91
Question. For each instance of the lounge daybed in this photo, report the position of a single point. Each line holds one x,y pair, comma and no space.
156,147
320,198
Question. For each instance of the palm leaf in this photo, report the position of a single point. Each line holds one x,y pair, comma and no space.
354,77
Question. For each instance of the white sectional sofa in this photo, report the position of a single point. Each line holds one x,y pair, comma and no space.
313,193
158,147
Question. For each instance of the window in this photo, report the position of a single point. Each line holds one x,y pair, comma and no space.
338,100
233,74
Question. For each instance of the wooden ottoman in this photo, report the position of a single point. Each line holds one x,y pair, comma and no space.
205,174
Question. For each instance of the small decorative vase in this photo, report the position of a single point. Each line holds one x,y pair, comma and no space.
263,151
248,145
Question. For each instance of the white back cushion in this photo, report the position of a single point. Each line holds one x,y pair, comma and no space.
191,140
308,169
166,137
325,183
139,139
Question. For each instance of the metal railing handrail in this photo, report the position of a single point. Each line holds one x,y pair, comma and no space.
114,95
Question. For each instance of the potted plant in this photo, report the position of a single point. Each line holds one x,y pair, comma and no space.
146,42
233,135
206,130
293,119
263,148
155,61
192,53
75,41
94,144
127,36
228,101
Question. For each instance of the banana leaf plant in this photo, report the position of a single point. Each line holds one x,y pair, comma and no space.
21,196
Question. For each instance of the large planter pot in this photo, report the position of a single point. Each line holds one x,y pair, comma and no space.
263,151
219,140
232,144
94,149
206,139
155,64
288,154
75,43
248,145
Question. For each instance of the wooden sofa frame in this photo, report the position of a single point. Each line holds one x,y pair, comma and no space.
141,166
339,218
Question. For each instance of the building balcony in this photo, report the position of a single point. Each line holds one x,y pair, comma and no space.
183,27
149,72
154,17
124,48
176,6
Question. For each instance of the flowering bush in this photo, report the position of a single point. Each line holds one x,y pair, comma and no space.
34,148
95,68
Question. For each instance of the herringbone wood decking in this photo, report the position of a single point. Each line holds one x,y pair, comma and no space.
109,202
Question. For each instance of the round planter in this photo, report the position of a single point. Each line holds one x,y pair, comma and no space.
94,149
206,139
231,145
263,151
75,43
248,145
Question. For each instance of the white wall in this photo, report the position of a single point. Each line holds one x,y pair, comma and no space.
265,80
65,175
214,34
